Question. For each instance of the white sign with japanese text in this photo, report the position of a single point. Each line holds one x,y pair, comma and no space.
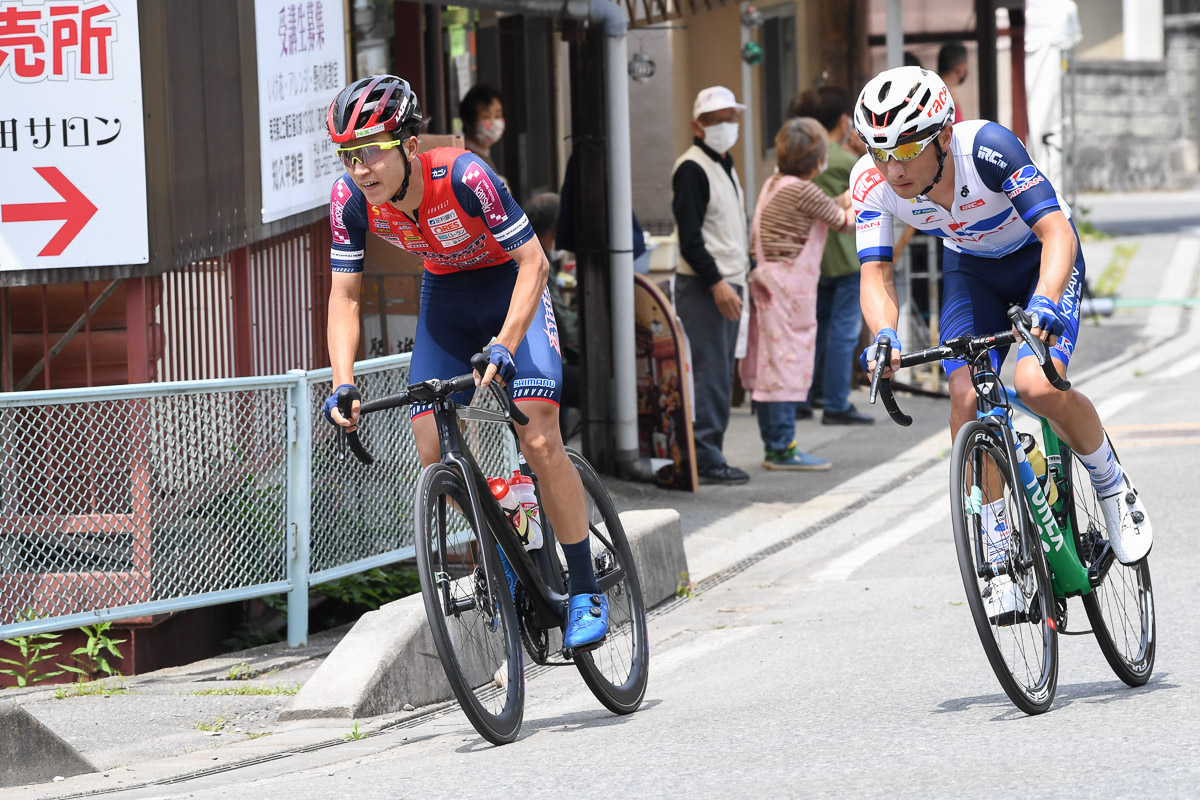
301,68
72,150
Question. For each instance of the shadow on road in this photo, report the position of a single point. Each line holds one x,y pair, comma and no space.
581,720
1096,692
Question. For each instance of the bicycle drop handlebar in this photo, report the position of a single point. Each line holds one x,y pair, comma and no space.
969,346
431,391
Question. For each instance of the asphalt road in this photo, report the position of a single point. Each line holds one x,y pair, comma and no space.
830,653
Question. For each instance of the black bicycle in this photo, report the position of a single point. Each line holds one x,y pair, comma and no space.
1058,546
478,625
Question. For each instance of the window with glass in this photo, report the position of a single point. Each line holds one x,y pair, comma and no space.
779,70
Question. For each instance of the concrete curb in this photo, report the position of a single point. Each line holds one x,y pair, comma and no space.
32,753
388,659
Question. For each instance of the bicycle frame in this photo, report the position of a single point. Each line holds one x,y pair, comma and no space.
550,604
1068,576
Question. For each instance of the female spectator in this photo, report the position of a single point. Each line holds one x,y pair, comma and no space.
791,220
482,114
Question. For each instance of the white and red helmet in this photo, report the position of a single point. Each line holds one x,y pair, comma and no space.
902,105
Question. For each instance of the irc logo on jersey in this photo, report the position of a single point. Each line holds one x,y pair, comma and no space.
972,204
489,199
991,156
437,172
1021,180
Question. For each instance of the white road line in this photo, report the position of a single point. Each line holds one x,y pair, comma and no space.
1181,368
1176,283
1107,408
843,566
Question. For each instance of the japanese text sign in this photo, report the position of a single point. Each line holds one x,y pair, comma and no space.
72,151
301,67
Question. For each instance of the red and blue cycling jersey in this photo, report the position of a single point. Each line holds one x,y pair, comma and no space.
467,219
465,227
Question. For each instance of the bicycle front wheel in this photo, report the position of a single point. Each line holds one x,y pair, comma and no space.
1121,608
618,669
470,609
1022,642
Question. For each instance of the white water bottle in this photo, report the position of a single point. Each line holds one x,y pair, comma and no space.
511,503
522,486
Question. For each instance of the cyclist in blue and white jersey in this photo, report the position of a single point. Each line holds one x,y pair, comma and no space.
1009,240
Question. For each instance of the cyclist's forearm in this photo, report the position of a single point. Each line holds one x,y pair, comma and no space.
343,335
880,305
527,295
1058,255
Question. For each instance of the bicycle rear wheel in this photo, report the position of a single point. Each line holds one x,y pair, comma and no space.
618,669
1022,647
1121,608
469,607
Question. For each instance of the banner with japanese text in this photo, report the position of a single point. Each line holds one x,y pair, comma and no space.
72,150
301,67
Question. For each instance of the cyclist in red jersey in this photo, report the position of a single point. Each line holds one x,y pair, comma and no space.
485,277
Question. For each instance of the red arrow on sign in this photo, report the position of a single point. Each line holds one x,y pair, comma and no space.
75,210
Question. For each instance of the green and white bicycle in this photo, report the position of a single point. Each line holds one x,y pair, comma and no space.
1057,548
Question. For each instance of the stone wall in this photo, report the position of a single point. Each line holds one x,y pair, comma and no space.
1131,127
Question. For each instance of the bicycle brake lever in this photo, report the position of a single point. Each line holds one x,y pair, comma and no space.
883,356
1041,351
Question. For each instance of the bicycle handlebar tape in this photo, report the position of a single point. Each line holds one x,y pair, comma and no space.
479,363
1041,351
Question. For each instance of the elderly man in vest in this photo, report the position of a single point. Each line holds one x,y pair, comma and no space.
710,220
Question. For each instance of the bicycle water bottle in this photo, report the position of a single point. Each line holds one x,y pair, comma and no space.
1038,462
511,503
522,487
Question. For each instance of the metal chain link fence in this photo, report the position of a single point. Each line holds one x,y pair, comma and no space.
118,502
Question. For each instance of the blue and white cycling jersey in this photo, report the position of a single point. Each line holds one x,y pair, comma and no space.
999,194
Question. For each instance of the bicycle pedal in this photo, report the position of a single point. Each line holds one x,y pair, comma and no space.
587,648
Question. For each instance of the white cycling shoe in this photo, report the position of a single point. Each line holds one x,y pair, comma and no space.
1002,599
1129,530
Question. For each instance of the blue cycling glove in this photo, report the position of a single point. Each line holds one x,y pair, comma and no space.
1046,314
499,355
869,353
332,401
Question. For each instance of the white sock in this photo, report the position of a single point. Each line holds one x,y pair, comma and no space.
1107,475
995,531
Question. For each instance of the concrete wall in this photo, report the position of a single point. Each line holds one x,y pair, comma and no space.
653,108
1130,130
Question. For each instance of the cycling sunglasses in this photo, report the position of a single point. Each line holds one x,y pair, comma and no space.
369,154
904,152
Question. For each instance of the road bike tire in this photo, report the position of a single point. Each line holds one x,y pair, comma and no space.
1121,608
1023,654
473,621
617,671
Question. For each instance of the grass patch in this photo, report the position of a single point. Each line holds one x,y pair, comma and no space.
1114,273
258,735
92,689
216,726
250,690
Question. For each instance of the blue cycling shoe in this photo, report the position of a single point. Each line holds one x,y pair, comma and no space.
587,621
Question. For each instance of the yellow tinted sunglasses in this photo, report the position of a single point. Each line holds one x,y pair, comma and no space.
904,152
368,154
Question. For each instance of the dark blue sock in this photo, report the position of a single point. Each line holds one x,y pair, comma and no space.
582,579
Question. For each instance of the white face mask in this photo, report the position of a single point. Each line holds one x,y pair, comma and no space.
490,130
722,136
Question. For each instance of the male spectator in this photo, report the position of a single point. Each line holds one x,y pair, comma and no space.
839,318
952,66
710,221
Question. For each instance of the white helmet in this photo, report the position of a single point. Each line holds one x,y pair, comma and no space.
902,105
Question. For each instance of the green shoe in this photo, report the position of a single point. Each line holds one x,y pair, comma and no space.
793,460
